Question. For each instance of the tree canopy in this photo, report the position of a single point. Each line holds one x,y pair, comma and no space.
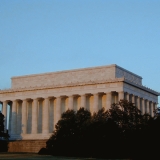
3,135
120,132
2,129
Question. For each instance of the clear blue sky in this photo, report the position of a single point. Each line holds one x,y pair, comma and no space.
38,36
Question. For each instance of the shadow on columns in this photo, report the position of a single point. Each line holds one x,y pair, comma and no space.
15,121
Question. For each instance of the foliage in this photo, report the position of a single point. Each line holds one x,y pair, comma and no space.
120,132
2,130
3,135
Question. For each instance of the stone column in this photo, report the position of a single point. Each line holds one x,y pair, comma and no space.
4,112
45,116
70,104
109,96
95,105
152,109
58,110
120,96
83,101
24,117
147,107
14,118
127,97
133,99
34,116
143,106
156,105
138,103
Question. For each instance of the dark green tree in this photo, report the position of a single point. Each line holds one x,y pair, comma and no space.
3,136
120,132
2,129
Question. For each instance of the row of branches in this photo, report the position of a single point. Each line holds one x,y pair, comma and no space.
120,132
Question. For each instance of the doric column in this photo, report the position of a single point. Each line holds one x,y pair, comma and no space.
133,99
147,107
154,106
120,95
109,96
127,97
24,117
138,103
152,109
45,116
143,106
95,105
4,112
83,101
70,104
58,110
34,116
14,118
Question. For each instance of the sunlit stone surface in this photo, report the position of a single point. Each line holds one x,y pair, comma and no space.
37,101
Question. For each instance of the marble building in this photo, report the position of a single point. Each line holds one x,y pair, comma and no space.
37,101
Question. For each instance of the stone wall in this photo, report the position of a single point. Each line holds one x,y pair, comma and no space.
121,72
70,77
33,146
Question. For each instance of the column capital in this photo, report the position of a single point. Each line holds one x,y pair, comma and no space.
70,96
14,101
24,100
4,102
47,98
109,93
59,97
95,94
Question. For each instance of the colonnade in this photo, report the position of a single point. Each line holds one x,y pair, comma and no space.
143,104
34,116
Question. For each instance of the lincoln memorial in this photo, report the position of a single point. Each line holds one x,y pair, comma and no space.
34,103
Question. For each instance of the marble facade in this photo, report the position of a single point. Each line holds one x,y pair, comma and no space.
37,101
